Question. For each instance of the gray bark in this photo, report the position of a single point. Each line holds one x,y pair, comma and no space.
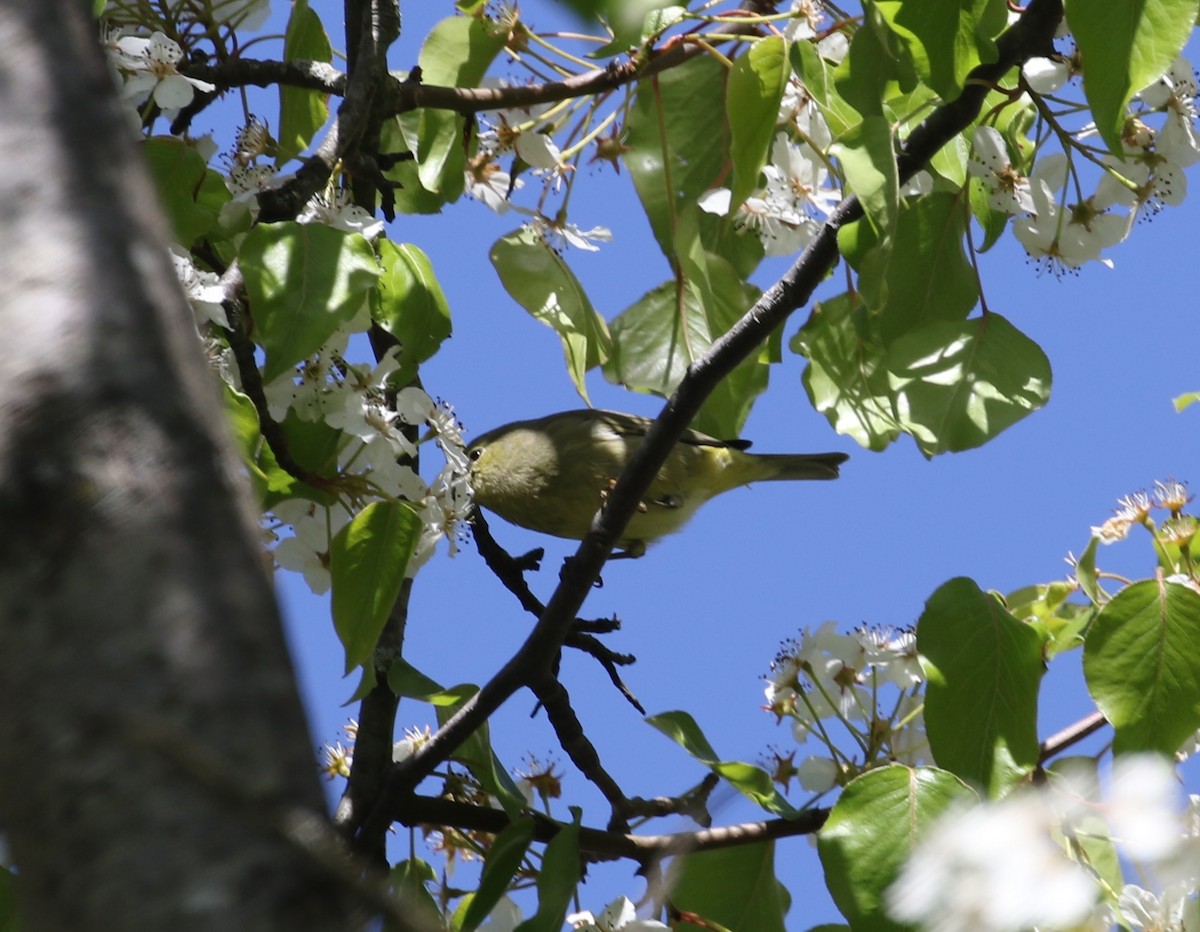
154,758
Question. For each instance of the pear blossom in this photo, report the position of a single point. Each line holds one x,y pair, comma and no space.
203,289
1065,239
154,75
991,867
1174,911
486,182
1175,92
1046,75
338,211
1008,190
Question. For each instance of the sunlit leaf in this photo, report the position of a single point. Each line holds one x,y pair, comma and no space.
958,385
873,828
304,281
540,281
756,84
1142,664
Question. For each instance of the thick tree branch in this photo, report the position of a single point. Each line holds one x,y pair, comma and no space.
1025,38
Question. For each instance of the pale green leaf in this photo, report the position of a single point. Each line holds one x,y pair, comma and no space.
846,377
540,281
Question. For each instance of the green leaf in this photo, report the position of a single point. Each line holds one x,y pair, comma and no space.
1046,606
629,26
367,561
925,275
656,338
557,881
1085,572
180,177
504,858
409,880
680,112
476,752
1126,45
412,306
756,84
984,668
942,40
872,830
456,53
992,221
846,378
406,681
540,281
861,80
753,782
304,281
958,385
301,111
735,887
869,161
1141,660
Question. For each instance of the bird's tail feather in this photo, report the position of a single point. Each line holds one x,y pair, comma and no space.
800,465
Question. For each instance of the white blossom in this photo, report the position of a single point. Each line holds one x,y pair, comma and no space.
991,867
1008,190
152,63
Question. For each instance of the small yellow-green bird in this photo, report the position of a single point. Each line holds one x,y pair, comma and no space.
552,474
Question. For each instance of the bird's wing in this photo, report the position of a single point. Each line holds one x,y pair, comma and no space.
629,425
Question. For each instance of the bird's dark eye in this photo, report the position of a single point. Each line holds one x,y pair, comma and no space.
475,454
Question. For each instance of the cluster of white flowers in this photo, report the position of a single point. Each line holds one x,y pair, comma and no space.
356,400
826,675
1148,175
1022,862
1171,496
799,193
524,134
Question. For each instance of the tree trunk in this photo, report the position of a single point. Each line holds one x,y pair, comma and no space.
154,759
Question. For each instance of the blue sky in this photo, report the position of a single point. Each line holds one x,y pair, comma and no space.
705,610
